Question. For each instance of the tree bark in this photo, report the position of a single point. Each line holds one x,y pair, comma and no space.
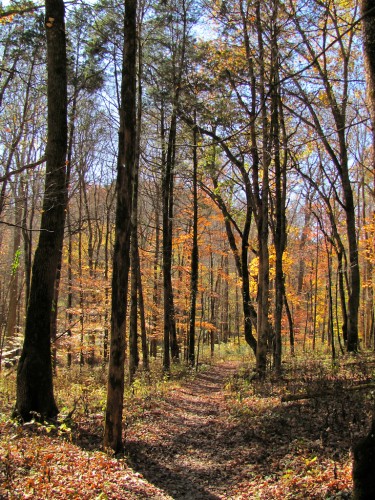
368,35
194,256
121,257
34,375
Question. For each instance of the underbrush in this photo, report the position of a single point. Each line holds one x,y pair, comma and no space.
304,424
80,393
296,431
63,458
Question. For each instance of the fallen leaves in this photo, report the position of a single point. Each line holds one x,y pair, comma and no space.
40,467
203,438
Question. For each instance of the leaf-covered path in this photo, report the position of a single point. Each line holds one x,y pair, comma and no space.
216,436
184,446
202,441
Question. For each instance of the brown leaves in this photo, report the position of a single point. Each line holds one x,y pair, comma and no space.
34,465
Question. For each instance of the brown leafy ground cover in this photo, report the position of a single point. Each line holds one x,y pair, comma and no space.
215,435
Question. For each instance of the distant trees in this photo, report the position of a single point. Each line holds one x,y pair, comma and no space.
250,149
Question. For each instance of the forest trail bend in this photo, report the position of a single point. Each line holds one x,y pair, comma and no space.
184,444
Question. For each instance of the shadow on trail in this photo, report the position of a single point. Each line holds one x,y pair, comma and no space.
201,449
183,464
179,484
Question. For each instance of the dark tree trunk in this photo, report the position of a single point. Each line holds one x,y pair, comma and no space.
368,30
170,335
364,466
241,258
225,300
134,257
34,376
71,128
354,276
133,320
141,304
262,217
155,293
145,360
364,451
69,303
279,139
27,242
121,257
212,316
290,322
109,203
194,256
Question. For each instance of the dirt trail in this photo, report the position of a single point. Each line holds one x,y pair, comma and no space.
183,445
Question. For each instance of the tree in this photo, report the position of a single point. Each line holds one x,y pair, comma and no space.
194,256
364,451
34,375
121,257
331,129
368,35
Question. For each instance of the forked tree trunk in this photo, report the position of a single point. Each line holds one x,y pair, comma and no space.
34,375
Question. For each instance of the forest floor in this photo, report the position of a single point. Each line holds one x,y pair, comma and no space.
217,434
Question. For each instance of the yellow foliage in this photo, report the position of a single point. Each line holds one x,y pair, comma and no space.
5,19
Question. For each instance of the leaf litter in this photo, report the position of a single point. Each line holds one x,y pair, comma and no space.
219,435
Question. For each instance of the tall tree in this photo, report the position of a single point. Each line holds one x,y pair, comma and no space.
179,25
364,451
194,255
121,257
332,131
34,375
368,30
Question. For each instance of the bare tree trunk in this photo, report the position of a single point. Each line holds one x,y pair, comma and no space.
121,257
262,220
13,285
155,293
368,34
34,375
69,304
145,359
194,255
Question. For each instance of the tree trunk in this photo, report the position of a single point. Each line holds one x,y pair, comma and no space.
69,303
262,217
364,466
133,320
170,335
368,34
145,360
34,375
121,257
279,139
194,256
155,293
13,285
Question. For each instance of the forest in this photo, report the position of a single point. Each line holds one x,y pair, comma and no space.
187,249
